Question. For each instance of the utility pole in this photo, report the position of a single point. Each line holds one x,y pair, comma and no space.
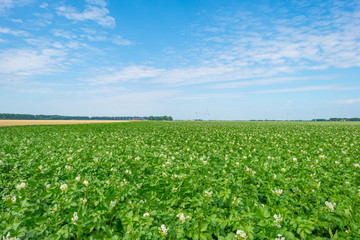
207,114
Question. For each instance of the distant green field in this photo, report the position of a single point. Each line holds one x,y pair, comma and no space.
181,180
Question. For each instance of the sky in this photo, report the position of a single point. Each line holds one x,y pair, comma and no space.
209,59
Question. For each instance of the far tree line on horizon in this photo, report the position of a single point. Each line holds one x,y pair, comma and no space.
12,116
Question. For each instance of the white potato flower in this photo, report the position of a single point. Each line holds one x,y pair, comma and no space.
277,220
240,234
64,187
163,230
86,183
330,206
277,191
208,194
75,218
21,186
280,237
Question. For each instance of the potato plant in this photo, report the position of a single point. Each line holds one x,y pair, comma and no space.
181,180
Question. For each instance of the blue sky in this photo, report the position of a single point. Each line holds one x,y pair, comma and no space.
235,60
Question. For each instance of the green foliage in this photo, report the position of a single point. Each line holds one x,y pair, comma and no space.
201,180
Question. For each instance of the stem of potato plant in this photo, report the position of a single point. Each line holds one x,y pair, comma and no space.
111,218
78,232
200,226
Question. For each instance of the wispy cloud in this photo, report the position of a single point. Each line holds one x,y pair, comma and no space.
348,101
44,5
13,32
142,97
42,19
94,37
246,44
126,74
268,81
25,62
8,4
121,41
95,11
217,73
240,51
192,75
16,20
63,33
206,96
100,3
310,88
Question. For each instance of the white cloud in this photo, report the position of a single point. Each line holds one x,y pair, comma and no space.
268,81
45,43
310,88
142,97
216,73
100,3
207,96
241,46
16,20
192,75
76,45
94,37
348,101
7,4
13,32
44,5
43,19
126,74
4,4
121,41
25,62
253,49
63,33
97,13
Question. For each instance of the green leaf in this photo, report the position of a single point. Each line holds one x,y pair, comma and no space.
204,227
130,214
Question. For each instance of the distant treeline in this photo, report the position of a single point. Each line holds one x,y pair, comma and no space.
318,120
338,119
13,116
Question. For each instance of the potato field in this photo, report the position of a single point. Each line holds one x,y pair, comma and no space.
181,180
